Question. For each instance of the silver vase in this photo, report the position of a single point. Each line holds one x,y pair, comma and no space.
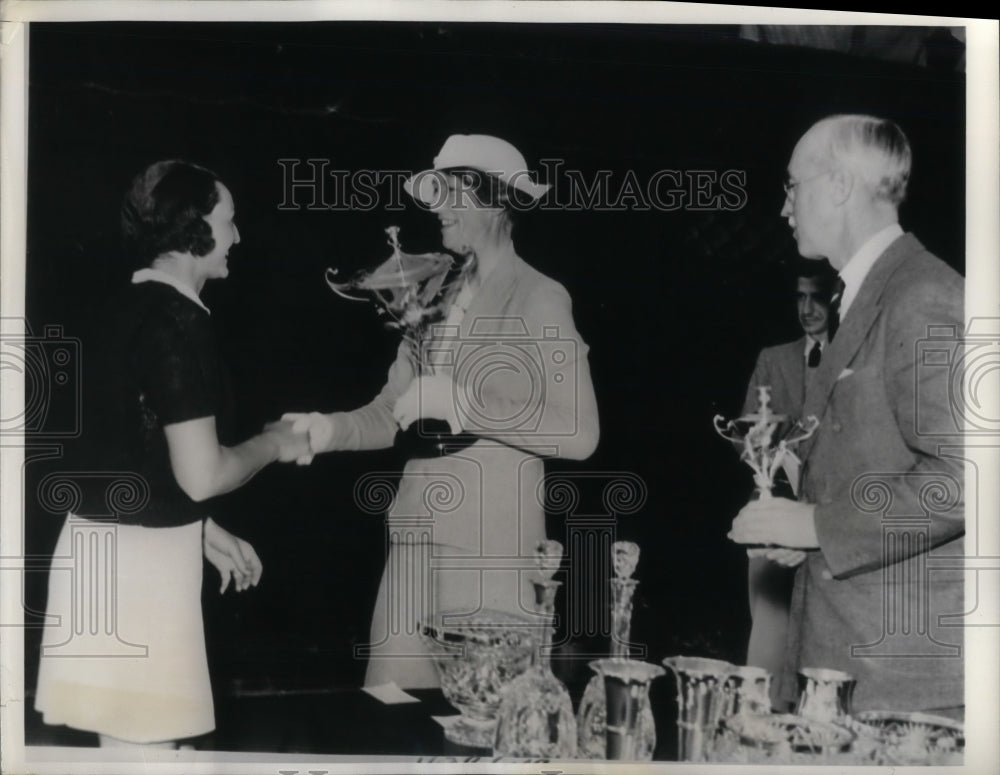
630,731
747,691
591,719
825,694
701,701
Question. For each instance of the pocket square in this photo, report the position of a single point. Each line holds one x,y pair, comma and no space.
845,373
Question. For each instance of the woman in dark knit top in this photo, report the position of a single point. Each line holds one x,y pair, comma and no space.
165,419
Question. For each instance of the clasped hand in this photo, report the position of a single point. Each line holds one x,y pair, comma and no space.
292,441
429,397
302,435
316,428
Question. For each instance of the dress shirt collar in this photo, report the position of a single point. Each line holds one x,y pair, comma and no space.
810,339
149,274
856,270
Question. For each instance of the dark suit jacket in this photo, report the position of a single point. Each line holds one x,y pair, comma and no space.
888,495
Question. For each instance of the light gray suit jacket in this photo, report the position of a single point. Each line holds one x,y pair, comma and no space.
523,384
769,585
885,471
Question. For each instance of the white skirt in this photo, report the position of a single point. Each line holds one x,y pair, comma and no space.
123,651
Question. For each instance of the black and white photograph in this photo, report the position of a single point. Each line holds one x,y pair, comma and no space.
554,386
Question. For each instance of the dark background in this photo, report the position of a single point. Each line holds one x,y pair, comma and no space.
674,305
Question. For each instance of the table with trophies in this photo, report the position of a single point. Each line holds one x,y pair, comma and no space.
496,671
495,667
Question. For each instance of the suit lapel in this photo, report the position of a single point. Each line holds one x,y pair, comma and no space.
480,318
491,301
860,318
794,368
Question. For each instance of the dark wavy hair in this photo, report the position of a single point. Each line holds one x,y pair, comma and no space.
165,211
819,271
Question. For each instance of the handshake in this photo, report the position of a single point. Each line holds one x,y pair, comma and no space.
300,436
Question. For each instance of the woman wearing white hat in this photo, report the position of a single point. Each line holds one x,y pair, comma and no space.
508,367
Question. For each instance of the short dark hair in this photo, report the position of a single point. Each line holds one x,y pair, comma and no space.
821,272
165,211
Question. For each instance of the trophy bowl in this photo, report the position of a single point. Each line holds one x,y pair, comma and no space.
476,657
784,733
911,737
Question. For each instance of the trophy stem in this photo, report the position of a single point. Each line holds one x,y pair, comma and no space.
545,600
622,591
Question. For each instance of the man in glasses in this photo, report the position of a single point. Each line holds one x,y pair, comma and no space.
785,369
871,598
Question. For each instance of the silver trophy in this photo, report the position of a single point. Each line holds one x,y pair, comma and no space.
747,691
615,720
825,694
701,701
766,440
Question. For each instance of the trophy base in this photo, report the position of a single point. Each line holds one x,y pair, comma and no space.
432,438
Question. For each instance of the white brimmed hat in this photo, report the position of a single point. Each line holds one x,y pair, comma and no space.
481,152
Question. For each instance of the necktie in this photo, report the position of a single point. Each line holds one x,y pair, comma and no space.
834,314
814,355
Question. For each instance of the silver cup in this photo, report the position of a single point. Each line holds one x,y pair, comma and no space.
825,694
747,691
700,703
626,691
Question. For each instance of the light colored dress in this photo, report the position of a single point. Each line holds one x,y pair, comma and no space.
462,528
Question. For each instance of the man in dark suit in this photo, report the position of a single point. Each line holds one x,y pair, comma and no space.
881,509
785,369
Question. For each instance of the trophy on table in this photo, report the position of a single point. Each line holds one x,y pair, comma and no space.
615,720
536,714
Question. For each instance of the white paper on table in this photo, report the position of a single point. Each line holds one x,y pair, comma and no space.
446,721
389,694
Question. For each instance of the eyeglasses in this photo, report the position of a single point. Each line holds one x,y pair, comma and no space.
790,185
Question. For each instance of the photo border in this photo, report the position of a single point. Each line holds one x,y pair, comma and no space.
982,273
